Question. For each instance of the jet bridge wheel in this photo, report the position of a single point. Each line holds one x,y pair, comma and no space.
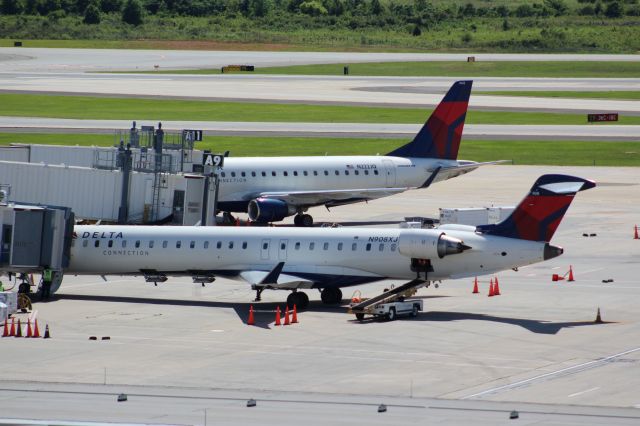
299,299
331,295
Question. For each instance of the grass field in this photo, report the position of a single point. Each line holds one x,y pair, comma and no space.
569,153
85,107
619,95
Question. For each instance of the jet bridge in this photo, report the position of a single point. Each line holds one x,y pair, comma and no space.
34,238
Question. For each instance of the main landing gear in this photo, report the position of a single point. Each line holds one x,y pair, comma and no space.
299,299
303,220
331,295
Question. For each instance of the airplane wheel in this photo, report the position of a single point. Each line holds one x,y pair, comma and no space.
299,299
414,312
306,220
359,317
331,295
297,221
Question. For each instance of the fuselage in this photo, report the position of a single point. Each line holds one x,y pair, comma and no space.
243,179
327,256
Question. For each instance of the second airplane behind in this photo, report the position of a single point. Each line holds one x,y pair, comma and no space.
271,189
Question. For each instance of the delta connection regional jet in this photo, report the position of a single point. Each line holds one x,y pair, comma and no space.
270,189
327,259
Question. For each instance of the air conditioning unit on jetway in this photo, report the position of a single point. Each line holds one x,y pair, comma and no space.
35,237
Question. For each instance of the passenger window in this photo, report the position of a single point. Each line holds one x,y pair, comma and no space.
295,173
381,247
244,245
315,173
325,246
354,246
311,246
264,174
357,172
206,245
233,174
124,243
273,173
393,247
165,243
97,243
366,172
265,246
243,174
298,245
137,244
375,172
253,174
192,244
178,244
305,173
219,244
151,244
110,243
223,174
85,243
368,247
285,173
326,173
346,172
231,245
283,246
339,246
337,173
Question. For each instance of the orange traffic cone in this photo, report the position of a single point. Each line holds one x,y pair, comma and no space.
36,332
286,316
491,291
29,332
5,333
294,316
277,316
12,331
475,286
251,320
19,329
635,233
570,274
46,332
496,288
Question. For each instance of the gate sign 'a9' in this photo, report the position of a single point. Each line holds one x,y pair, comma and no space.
215,160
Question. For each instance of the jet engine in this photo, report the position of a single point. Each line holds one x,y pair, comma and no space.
427,244
269,210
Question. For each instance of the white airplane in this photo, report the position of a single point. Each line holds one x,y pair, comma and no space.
329,258
270,189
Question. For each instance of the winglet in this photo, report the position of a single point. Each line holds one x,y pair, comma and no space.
272,277
537,216
441,134
427,183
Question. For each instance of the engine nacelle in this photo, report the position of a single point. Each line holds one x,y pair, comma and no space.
269,210
428,244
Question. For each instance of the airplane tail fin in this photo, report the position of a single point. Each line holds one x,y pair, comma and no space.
440,136
537,216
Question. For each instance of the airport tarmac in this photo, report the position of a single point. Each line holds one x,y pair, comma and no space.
179,348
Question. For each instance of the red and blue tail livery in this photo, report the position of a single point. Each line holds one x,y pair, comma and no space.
537,217
441,134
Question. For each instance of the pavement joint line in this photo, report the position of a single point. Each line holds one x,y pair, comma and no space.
567,370
583,392
558,413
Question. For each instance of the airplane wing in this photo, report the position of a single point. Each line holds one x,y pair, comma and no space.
285,281
334,197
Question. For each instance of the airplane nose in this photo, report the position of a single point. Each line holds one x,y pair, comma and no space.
551,251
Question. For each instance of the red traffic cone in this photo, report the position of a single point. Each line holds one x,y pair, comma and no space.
251,320
29,332
491,291
5,333
475,286
570,274
286,316
19,329
277,316
12,331
36,332
46,332
496,288
294,316
635,233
